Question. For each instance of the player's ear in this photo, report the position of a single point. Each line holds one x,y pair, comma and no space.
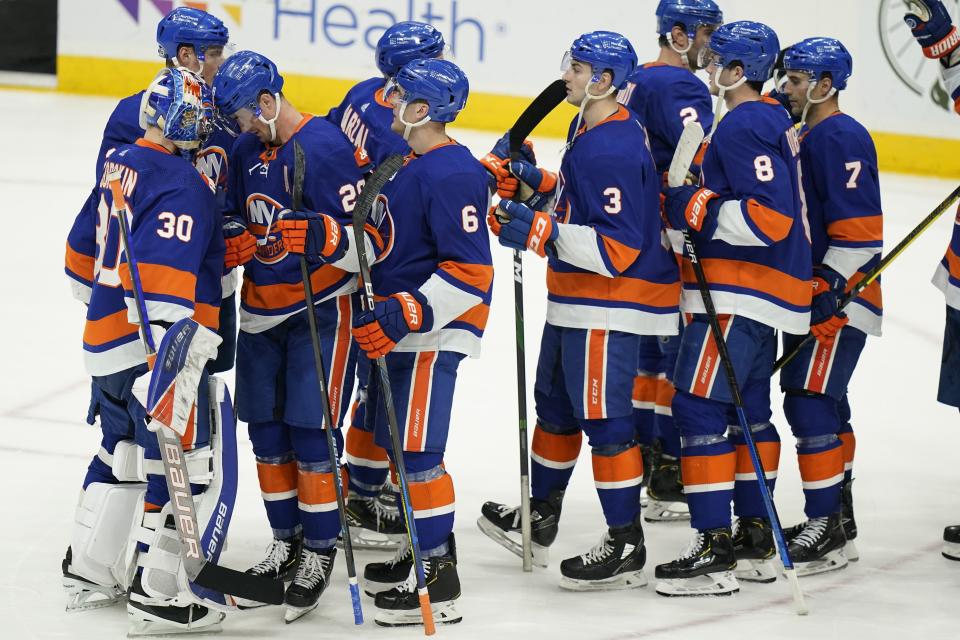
679,36
824,86
606,80
186,56
268,104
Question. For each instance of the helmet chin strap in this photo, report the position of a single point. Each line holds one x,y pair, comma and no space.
812,101
722,89
272,122
587,97
683,52
409,126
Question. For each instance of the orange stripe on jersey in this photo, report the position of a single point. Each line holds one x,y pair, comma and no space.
419,405
554,447
433,497
862,229
700,470
871,293
108,328
771,222
278,296
476,315
79,263
622,470
594,394
822,465
277,478
161,279
769,455
315,488
621,288
207,314
750,275
849,442
621,256
665,393
478,276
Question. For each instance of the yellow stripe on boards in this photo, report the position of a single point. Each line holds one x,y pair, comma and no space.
901,153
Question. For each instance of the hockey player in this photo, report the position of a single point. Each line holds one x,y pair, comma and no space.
842,190
931,25
746,226
277,389
365,117
176,239
666,95
195,40
609,280
433,279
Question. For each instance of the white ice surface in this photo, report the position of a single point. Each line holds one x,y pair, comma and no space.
906,467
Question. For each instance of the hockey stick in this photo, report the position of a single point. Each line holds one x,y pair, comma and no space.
299,169
371,190
874,273
535,112
196,566
686,150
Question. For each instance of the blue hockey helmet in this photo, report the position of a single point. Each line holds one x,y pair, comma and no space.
689,13
178,102
406,41
187,25
604,50
753,45
817,56
439,83
240,81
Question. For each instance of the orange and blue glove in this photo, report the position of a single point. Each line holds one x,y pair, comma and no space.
523,228
826,318
932,27
315,235
240,243
497,161
377,332
694,208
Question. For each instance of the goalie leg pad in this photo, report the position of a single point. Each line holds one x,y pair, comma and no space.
104,517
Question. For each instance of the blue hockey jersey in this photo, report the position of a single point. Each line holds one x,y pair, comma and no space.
365,118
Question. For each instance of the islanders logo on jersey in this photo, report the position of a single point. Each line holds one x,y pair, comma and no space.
212,162
262,212
382,221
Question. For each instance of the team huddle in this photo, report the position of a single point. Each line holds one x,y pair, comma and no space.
664,303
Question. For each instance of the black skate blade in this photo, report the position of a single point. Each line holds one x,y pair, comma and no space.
541,554
698,595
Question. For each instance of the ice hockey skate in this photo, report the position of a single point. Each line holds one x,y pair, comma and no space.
755,551
951,542
818,547
148,616
849,524
280,564
705,568
383,576
400,606
615,563
501,524
83,594
373,525
666,501
313,575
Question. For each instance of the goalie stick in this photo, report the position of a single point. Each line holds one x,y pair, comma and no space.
299,169
535,112
384,172
686,150
874,273
198,569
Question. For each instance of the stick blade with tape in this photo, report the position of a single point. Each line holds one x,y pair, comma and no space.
687,148
536,111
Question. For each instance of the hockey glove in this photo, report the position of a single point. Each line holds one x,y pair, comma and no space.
494,221
930,23
694,208
498,159
527,229
315,235
240,243
826,318
377,332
